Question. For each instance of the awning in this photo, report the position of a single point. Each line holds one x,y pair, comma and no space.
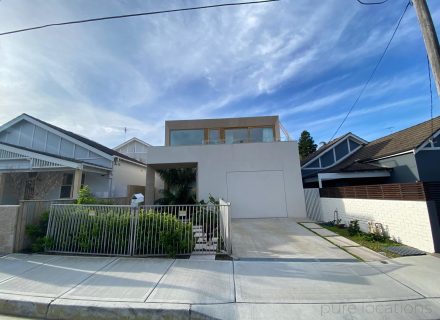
14,159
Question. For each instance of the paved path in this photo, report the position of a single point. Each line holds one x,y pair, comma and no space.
280,238
66,287
351,247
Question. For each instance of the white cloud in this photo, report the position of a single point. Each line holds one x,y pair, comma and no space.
98,78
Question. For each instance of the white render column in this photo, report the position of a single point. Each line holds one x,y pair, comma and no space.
76,183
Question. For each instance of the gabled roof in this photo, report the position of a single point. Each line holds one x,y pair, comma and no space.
328,146
404,140
131,140
77,137
399,142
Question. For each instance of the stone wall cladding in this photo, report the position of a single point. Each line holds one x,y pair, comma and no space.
8,223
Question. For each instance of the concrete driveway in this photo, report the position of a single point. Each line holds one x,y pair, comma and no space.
280,238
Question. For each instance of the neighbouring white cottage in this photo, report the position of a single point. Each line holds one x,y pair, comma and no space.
41,161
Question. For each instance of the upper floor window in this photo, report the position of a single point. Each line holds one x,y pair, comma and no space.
186,137
221,135
214,136
236,135
261,135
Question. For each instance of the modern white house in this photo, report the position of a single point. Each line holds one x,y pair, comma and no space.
41,161
241,160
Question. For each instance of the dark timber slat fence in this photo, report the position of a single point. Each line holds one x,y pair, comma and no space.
398,191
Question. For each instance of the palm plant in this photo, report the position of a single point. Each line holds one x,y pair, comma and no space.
179,185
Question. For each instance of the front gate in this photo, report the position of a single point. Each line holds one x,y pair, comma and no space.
146,231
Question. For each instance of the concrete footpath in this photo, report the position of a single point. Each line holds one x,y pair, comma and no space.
72,287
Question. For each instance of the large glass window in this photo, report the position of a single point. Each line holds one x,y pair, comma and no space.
261,135
214,136
186,137
236,135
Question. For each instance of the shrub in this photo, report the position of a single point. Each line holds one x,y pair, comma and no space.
353,228
37,233
85,196
90,230
376,237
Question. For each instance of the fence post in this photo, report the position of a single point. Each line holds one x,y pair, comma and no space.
229,230
19,230
18,236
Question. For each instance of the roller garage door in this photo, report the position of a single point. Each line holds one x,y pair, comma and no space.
257,194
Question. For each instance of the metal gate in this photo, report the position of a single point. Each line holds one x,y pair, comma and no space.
313,204
146,231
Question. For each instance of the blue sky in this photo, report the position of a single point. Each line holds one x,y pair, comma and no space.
304,60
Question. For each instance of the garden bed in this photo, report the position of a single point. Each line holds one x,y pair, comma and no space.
368,240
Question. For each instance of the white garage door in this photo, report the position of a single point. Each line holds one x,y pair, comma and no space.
257,194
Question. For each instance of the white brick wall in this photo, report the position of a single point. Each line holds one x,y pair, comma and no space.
8,222
405,221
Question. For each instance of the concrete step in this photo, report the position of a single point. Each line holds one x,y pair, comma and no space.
199,234
205,247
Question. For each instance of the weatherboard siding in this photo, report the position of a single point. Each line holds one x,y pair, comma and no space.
27,135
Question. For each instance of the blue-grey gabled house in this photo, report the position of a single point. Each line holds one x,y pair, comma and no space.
409,155
41,161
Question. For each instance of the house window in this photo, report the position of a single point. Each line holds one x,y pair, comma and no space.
341,150
214,136
29,186
236,135
436,142
186,137
83,179
353,145
261,135
314,164
327,159
66,186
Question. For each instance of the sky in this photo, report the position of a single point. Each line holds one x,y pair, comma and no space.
304,60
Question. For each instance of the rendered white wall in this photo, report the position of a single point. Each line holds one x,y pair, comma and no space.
214,162
405,221
126,174
99,184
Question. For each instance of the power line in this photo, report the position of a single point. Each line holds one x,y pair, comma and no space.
372,73
371,3
134,15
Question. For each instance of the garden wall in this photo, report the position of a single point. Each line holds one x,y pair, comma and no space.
8,223
405,221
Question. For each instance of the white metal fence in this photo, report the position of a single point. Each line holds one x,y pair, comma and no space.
313,204
146,231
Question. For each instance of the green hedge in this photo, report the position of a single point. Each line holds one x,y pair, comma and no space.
82,229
